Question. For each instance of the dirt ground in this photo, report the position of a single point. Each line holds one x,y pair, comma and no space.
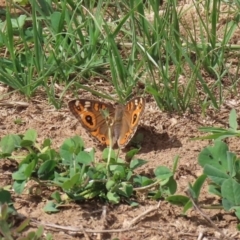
165,136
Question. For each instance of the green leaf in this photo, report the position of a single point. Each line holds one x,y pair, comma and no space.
71,182
110,184
214,189
55,20
84,158
19,22
163,173
20,174
215,156
113,197
47,143
105,154
233,120
170,187
227,205
39,232
130,154
231,159
142,181
23,225
9,143
118,171
136,163
56,196
216,175
187,206
127,190
30,135
175,164
179,200
237,212
231,191
197,186
18,186
46,168
5,196
70,147
29,169
66,151
50,207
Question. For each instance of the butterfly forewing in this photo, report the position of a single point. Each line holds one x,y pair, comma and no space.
131,117
93,117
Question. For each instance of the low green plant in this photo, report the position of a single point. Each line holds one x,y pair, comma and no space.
8,220
77,173
221,167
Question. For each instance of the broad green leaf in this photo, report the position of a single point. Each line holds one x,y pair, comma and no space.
215,156
84,158
237,211
214,189
29,169
105,154
130,154
110,184
231,191
26,143
126,190
20,174
71,182
136,163
71,147
170,187
163,173
113,197
67,150
46,168
20,21
18,186
47,143
30,135
142,181
227,205
216,175
5,196
9,143
118,171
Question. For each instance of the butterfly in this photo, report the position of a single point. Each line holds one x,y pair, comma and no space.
98,117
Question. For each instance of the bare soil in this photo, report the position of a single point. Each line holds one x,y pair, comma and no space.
165,136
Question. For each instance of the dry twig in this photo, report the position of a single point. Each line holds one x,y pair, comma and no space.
204,215
144,214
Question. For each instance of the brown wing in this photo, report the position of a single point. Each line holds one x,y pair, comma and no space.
131,117
94,116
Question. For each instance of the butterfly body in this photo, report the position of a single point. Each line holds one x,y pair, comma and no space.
98,117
